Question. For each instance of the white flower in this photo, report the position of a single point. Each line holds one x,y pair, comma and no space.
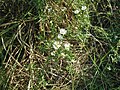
56,45
83,7
76,11
60,36
67,45
63,31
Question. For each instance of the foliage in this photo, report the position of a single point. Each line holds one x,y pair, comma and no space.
59,45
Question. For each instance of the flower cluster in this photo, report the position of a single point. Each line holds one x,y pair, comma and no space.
58,44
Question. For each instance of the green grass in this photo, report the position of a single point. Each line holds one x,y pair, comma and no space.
59,45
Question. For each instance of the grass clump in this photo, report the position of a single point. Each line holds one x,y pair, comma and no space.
59,45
